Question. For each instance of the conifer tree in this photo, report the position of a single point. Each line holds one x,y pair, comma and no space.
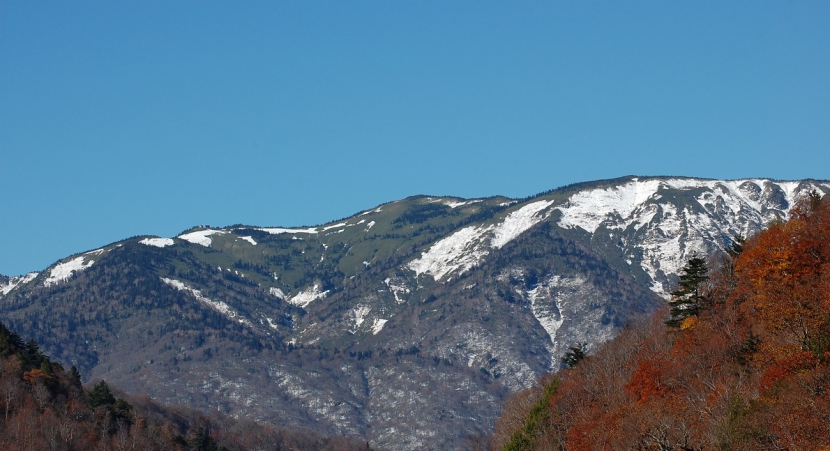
202,441
574,354
100,396
736,247
75,376
689,298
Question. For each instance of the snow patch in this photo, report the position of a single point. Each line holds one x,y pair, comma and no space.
358,316
63,271
518,222
396,290
456,253
279,230
564,304
377,326
201,236
15,282
304,298
157,242
588,209
342,224
219,306
454,204
370,225
249,239
277,293
549,316
467,247
271,323
376,210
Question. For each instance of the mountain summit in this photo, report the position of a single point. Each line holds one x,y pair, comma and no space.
418,315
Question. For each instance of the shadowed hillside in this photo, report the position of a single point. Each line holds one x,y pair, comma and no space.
45,407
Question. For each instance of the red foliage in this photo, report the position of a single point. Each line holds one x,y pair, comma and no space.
786,366
646,382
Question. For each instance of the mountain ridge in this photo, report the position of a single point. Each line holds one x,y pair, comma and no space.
564,188
246,318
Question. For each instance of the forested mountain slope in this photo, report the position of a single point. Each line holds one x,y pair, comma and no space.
45,407
748,368
419,315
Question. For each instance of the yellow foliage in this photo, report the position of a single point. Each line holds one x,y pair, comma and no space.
689,323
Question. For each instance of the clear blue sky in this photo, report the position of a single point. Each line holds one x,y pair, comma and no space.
133,118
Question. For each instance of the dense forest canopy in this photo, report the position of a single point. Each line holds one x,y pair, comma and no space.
742,361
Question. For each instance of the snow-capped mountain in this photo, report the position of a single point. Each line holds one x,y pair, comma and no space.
662,223
417,315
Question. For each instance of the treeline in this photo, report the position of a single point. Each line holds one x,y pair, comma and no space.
45,407
741,362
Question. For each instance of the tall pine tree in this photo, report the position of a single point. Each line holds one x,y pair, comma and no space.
689,298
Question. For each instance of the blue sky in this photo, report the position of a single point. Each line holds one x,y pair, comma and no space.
145,118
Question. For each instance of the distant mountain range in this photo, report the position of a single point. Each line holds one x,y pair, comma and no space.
406,324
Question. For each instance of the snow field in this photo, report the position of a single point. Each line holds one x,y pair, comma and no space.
672,235
279,230
63,271
518,222
201,237
304,298
157,242
15,282
467,247
457,252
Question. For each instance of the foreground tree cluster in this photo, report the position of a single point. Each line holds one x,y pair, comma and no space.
44,407
741,362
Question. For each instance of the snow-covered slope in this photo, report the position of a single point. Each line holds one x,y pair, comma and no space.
661,223
466,248
158,242
13,282
201,236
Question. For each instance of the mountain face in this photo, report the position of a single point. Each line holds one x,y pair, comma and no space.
406,324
